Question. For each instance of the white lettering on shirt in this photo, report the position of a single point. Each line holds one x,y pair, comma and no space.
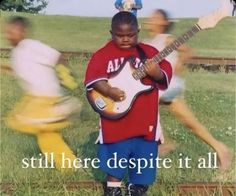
114,64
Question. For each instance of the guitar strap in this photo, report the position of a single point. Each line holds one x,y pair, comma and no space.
143,57
141,53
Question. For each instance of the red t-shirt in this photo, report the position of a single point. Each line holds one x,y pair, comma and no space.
141,120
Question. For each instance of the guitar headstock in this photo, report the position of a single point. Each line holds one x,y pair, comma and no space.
210,20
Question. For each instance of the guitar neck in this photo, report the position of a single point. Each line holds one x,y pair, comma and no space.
140,72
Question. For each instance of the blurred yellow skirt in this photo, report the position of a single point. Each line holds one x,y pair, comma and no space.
44,117
33,114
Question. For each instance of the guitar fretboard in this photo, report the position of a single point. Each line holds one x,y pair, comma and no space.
140,72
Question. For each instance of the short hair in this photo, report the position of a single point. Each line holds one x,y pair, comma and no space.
163,13
19,20
124,17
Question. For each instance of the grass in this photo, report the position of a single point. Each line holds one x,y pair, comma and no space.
72,33
210,95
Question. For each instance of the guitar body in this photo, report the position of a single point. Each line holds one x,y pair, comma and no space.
123,80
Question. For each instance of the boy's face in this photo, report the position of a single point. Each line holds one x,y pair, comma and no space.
14,33
125,36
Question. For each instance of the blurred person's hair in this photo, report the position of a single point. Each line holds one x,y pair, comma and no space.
165,14
19,20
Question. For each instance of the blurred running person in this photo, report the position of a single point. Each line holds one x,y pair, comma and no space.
158,25
43,110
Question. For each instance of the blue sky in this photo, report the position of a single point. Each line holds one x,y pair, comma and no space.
105,8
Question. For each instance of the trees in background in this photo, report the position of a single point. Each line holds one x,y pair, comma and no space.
29,6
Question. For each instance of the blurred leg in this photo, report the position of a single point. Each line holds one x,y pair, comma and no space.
185,115
166,145
52,142
36,115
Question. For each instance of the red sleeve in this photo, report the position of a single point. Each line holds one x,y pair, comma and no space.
96,70
167,71
165,66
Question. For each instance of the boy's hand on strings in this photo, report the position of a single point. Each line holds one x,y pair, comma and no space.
106,90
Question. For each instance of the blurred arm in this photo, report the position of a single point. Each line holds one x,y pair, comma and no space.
184,54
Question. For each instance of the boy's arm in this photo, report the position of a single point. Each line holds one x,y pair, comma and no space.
96,77
106,90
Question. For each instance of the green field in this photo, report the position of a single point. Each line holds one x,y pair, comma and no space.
212,103
210,95
88,34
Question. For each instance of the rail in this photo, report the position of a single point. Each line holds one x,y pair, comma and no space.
191,188
195,63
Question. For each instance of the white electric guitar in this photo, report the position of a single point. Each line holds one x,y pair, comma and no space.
128,78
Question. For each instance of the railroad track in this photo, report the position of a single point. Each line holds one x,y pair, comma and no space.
191,188
197,62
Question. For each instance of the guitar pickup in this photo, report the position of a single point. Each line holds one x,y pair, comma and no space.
100,103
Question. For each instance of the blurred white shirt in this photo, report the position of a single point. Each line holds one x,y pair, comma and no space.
33,63
159,42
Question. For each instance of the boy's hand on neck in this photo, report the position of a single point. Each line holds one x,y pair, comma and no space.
153,70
